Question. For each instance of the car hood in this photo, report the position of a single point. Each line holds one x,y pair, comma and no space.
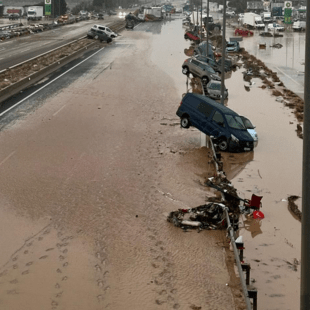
242,135
253,133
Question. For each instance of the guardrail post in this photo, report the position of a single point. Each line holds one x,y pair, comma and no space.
253,295
246,267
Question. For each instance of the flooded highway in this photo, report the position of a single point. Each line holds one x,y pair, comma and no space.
93,165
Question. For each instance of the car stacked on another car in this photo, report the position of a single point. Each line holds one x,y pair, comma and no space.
199,69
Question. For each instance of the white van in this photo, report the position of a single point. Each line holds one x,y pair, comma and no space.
107,30
299,25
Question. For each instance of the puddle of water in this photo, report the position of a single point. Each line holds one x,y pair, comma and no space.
275,173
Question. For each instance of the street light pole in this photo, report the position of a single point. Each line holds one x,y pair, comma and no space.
224,53
305,221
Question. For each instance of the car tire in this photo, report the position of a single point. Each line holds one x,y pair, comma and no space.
186,37
205,79
185,122
96,37
109,40
185,71
112,36
223,144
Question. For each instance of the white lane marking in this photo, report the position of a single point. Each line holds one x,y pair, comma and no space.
59,110
289,77
27,49
6,158
18,103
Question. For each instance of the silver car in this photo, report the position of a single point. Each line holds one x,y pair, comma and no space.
214,90
199,69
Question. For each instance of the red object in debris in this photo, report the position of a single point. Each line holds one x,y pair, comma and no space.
244,33
258,215
254,203
184,210
190,35
217,54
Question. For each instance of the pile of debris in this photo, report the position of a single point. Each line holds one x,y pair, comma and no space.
208,216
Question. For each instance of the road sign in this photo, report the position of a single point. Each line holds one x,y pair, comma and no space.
48,7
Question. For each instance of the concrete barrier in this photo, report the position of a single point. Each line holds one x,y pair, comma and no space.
15,88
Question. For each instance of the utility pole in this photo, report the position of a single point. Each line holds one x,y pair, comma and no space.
208,26
201,23
305,221
224,53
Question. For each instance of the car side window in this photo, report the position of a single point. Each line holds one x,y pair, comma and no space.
195,62
101,32
205,109
218,118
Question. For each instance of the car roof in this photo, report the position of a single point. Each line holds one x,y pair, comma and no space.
215,104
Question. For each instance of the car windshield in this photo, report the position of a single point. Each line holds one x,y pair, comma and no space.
230,44
234,121
247,123
215,86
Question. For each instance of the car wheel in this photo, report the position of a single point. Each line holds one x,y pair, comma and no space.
205,80
96,37
185,71
109,40
223,144
186,37
112,36
185,122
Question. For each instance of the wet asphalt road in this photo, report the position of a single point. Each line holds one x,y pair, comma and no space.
16,50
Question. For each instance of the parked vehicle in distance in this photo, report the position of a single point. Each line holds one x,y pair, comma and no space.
251,129
191,35
98,35
199,69
276,27
214,119
35,12
100,16
214,90
13,16
211,62
243,32
253,21
299,25
266,17
107,30
232,46
210,24
230,13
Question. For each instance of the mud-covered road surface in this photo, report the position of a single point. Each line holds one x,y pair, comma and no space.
89,174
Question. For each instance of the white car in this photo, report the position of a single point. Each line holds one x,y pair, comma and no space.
106,30
276,27
230,13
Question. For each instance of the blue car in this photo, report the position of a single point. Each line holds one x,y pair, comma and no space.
232,47
214,119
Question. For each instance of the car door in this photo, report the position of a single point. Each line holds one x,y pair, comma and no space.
194,67
218,125
203,115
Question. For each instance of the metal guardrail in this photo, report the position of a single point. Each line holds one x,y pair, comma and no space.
248,293
9,26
